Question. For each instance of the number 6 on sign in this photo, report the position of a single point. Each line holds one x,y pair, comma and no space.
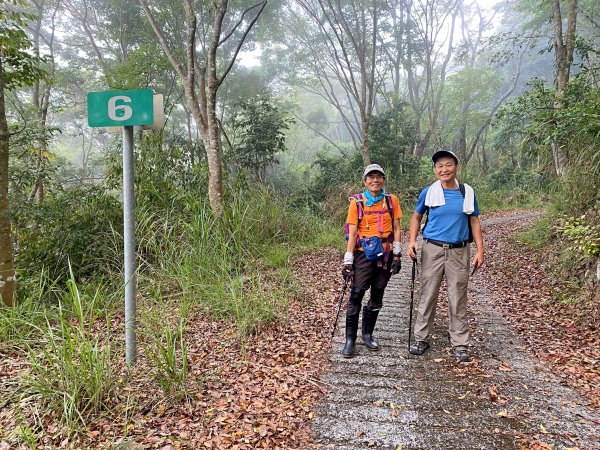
125,111
120,108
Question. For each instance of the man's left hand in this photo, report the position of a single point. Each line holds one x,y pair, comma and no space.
477,261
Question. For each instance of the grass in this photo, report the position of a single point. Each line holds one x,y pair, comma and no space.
70,371
539,235
217,264
168,354
236,267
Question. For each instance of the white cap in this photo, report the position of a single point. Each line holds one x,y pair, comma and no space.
373,168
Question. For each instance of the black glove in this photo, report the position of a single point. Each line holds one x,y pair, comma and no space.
347,272
396,266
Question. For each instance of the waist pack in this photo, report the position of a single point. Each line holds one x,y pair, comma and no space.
372,247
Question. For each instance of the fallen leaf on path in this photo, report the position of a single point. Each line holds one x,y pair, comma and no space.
503,413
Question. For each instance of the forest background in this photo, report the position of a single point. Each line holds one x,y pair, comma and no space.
272,109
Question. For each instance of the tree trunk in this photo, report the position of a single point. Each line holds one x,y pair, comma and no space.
7,267
563,49
460,142
201,82
214,157
364,144
37,193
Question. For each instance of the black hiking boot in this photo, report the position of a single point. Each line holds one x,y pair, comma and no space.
419,347
461,354
368,325
351,331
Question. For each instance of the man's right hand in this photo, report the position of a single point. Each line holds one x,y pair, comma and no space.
347,272
412,249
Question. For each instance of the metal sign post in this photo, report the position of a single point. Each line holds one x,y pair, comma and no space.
126,109
129,241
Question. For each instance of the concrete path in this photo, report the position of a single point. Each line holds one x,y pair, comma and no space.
393,400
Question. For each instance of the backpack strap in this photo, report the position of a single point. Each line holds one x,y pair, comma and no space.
461,186
361,211
390,205
359,205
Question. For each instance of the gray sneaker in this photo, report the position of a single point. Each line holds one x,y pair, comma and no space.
462,355
419,347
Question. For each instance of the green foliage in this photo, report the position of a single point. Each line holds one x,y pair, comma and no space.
19,67
142,69
577,250
574,125
334,171
507,178
584,237
391,138
26,165
213,263
539,235
167,169
473,89
258,133
23,323
73,226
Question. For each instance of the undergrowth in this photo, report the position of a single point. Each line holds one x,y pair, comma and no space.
235,267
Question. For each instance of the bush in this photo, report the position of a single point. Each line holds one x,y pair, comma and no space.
73,226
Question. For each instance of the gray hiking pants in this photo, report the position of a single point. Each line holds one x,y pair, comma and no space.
454,264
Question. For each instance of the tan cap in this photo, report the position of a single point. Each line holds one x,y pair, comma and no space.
373,168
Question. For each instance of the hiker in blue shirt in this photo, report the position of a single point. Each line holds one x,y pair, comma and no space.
452,223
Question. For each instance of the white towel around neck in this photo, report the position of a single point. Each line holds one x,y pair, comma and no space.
435,196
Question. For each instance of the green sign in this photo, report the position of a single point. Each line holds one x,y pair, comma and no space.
120,108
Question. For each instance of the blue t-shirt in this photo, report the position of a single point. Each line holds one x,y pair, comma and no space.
447,223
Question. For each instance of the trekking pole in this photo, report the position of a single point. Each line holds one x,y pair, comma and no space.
412,298
340,306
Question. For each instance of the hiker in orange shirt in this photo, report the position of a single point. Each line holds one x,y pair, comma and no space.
372,254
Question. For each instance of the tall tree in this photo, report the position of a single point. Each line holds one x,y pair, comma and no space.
564,45
471,40
17,67
212,43
478,89
423,45
41,89
343,57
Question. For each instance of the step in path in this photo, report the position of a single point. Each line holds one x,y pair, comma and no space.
393,400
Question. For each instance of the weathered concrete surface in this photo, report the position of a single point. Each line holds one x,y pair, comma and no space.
393,400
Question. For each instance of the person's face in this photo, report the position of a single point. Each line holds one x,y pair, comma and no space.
445,169
374,181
